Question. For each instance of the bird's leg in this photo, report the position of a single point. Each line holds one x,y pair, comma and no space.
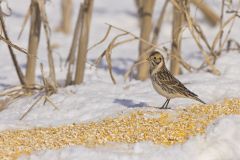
168,100
163,106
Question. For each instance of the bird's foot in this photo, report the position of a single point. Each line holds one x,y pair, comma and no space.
162,107
167,108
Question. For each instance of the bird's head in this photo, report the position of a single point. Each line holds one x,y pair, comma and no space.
156,59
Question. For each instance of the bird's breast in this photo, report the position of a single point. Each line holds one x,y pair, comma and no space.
164,89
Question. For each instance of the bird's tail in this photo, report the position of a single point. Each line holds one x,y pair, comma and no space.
199,100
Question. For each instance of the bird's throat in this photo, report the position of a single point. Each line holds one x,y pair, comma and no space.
157,68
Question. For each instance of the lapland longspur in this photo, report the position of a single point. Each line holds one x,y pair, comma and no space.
165,83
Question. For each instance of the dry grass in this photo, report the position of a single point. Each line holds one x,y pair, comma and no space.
4,103
13,45
129,37
198,36
7,40
43,93
211,53
160,127
48,89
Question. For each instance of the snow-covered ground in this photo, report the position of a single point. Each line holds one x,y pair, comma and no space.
98,97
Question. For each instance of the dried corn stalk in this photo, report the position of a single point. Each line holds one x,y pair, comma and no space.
38,16
65,25
83,41
211,16
44,19
71,55
146,28
33,42
176,39
158,26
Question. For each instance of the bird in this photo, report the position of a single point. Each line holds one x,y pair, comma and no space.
165,83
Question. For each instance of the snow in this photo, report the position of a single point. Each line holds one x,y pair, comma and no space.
98,97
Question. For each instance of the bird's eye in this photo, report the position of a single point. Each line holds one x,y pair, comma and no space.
155,58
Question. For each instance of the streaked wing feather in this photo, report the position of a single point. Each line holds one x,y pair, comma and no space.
170,83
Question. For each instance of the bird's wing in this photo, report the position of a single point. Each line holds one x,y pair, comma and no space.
170,82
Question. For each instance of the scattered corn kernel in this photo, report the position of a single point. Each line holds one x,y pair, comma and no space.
160,127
